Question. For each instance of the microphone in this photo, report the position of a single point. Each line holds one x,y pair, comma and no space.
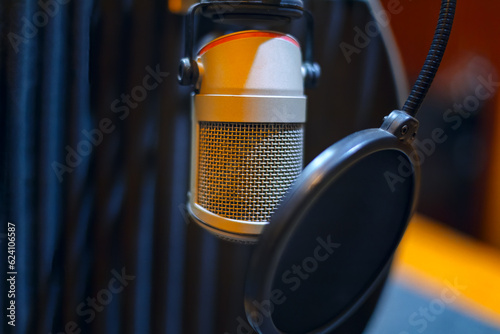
248,118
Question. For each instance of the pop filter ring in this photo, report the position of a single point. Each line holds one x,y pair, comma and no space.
396,134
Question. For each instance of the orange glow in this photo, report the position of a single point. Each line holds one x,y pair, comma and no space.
431,255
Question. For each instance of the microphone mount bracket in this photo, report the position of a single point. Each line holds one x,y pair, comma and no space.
245,10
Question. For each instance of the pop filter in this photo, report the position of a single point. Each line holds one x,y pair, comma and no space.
335,231
338,227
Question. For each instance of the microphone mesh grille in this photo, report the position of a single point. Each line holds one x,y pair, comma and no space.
246,168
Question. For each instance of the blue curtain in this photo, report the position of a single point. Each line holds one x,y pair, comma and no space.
92,179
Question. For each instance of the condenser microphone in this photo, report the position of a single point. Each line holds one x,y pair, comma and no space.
248,119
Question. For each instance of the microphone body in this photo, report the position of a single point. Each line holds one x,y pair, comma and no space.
248,118
247,131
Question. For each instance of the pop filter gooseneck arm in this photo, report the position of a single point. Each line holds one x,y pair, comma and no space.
434,57
402,123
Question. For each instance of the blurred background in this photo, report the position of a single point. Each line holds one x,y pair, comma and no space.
95,158
465,166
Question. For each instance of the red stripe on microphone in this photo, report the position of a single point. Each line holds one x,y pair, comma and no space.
246,34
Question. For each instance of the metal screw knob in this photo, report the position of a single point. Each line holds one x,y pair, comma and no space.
188,72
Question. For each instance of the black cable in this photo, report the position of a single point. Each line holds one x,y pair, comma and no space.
436,52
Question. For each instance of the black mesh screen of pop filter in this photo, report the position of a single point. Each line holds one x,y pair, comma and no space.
332,236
